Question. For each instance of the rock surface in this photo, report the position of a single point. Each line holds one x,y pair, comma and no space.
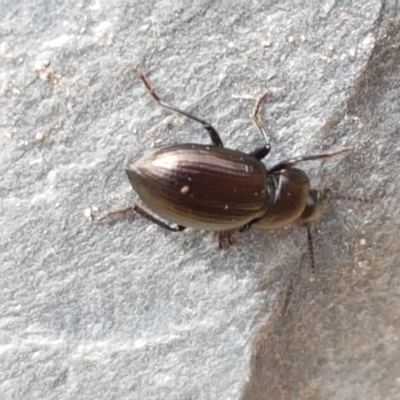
128,311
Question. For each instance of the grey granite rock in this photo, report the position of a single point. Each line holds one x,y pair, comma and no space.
128,311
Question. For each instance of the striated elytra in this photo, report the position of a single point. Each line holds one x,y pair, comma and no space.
202,187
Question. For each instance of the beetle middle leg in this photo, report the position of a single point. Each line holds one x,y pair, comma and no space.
261,152
214,136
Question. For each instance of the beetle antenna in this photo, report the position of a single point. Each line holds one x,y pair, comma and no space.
310,245
345,197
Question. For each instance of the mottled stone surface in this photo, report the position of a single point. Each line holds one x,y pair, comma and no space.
128,311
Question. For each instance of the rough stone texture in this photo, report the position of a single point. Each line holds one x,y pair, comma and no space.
128,311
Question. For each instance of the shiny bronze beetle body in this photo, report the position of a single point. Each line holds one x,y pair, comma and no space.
214,188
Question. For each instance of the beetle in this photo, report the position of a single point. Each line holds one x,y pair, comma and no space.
211,187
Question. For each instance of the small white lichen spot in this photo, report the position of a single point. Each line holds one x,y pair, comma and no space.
39,136
88,213
4,48
57,42
367,43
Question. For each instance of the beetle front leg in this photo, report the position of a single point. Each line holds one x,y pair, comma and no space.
147,214
214,136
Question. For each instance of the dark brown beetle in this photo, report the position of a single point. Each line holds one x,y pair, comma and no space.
214,188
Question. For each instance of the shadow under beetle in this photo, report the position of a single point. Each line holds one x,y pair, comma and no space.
214,188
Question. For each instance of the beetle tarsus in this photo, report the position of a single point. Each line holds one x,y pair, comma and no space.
115,213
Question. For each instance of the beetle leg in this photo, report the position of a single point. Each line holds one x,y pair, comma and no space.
147,214
143,212
261,152
214,136
291,162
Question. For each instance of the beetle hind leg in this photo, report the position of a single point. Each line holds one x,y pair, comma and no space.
116,213
144,213
147,214
214,136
